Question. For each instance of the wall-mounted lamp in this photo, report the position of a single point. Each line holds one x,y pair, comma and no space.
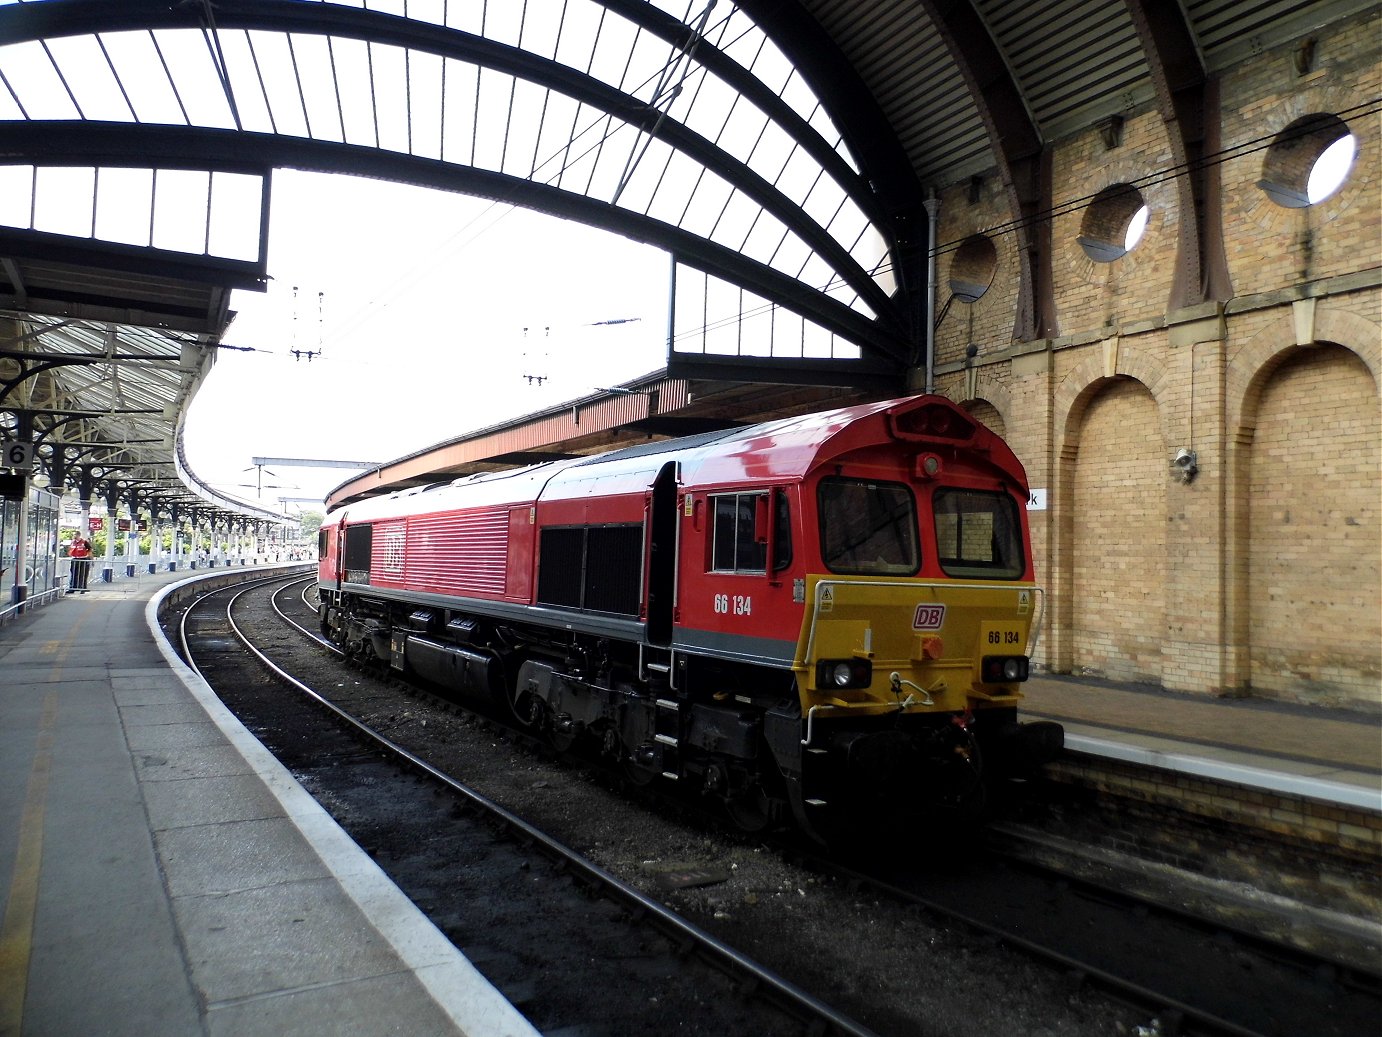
1185,465
1303,56
1111,132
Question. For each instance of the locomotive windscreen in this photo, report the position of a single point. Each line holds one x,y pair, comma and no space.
978,534
868,528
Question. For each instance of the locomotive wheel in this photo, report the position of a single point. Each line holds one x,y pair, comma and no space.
559,741
751,812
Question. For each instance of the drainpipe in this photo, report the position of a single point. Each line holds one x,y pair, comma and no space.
933,212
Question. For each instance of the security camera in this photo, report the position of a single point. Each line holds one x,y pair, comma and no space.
1185,465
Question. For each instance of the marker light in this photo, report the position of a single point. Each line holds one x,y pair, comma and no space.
1003,669
844,673
932,421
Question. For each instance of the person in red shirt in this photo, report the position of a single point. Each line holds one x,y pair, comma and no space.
80,553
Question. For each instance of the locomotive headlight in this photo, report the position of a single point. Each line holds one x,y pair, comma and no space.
844,673
1004,669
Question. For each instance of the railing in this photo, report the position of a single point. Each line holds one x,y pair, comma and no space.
41,598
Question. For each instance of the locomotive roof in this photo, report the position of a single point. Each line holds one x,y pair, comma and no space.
784,448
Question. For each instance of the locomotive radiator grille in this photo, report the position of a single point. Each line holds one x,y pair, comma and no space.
465,553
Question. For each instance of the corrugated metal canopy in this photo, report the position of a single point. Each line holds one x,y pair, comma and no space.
104,404
1073,62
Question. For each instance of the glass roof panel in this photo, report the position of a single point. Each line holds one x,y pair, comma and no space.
194,77
235,210
390,95
16,195
559,119
90,78
581,29
646,182
353,91
492,118
542,26
124,205
63,200
140,72
459,109
503,22
525,125
34,80
275,70
180,210
424,91
316,85
764,238
244,79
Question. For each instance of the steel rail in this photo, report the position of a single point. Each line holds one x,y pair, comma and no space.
1182,1017
763,981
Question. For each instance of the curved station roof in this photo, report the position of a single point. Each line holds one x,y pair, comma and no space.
783,153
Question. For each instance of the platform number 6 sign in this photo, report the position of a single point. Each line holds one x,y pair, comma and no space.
19,455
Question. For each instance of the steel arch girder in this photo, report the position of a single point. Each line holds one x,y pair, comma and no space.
76,17
186,147
1023,159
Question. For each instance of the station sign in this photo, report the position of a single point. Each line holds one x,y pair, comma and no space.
16,454
96,522
123,525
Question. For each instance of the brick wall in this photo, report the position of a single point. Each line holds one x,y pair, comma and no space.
1201,585
1315,634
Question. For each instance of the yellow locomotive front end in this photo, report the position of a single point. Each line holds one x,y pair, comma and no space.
908,691
936,646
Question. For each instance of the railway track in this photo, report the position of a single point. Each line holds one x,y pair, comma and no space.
1173,971
1196,975
580,906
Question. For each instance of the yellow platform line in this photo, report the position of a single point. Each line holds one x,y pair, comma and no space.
17,929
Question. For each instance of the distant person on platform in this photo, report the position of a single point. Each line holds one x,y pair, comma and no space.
80,553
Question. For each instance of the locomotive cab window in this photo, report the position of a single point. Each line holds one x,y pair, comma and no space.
739,534
978,534
868,528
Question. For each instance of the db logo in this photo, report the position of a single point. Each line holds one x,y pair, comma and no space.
929,617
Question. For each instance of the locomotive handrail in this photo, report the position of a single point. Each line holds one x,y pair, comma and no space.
669,667
1037,619
811,721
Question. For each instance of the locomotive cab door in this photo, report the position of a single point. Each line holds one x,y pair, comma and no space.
340,551
662,547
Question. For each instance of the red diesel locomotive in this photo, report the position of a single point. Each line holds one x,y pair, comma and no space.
821,617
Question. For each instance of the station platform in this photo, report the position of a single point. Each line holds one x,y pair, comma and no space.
161,873
1328,755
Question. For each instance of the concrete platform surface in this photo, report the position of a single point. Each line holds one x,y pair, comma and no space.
163,874
1329,755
